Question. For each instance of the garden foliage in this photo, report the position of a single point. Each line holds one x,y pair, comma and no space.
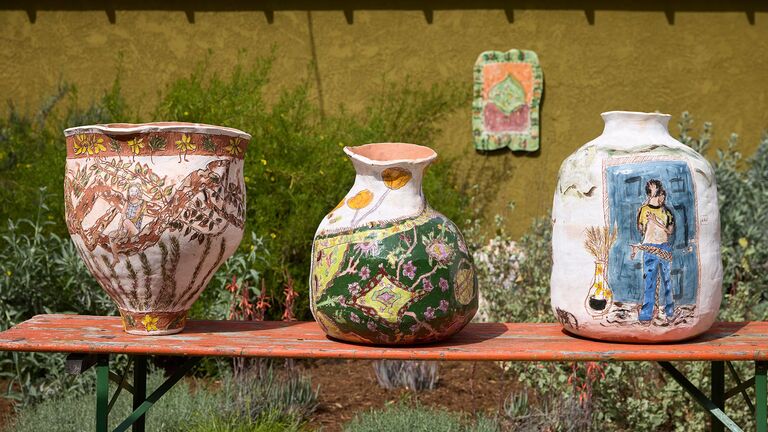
42,273
404,418
276,402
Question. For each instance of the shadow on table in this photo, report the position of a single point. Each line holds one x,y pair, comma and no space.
472,334
226,326
719,331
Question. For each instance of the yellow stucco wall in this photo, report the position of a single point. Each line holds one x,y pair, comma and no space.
713,63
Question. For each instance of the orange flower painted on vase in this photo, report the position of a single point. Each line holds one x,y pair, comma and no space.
396,177
360,200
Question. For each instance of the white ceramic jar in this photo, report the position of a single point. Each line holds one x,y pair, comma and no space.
636,235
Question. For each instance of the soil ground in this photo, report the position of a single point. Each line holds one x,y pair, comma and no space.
6,405
350,387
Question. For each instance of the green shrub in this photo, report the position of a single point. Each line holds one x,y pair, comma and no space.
404,418
32,152
179,407
42,273
284,404
262,391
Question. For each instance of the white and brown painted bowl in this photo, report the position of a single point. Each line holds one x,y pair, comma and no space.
154,209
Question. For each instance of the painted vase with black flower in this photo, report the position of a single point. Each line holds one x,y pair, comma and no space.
386,267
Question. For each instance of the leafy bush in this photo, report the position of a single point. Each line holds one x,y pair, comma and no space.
262,391
280,403
42,273
403,418
32,152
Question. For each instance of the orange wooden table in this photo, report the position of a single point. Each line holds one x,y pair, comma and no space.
100,336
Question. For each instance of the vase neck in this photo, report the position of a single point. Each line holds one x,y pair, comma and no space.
649,126
387,186
400,185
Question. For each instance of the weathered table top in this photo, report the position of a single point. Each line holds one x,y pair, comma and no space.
481,341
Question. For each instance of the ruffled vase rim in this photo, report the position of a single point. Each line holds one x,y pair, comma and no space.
165,126
386,154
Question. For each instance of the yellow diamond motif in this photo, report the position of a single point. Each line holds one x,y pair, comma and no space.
386,299
464,289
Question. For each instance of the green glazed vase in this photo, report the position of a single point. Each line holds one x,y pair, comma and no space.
386,267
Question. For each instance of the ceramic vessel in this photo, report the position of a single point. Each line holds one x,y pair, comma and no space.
636,235
386,267
154,209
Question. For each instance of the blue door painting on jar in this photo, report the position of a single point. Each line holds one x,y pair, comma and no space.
653,263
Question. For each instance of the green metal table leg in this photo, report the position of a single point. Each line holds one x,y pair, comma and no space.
717,393
700,397
157,394
761,408
139,390
102,393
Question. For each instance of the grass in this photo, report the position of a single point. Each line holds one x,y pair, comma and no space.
283,403
404,418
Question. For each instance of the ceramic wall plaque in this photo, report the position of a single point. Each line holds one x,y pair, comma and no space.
154,209
507,96
386,267
636,235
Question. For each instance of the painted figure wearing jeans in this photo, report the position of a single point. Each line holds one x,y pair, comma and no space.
656,224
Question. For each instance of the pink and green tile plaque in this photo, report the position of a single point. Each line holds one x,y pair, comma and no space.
507,96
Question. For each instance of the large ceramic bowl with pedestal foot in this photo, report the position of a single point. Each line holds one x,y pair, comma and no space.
154,209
